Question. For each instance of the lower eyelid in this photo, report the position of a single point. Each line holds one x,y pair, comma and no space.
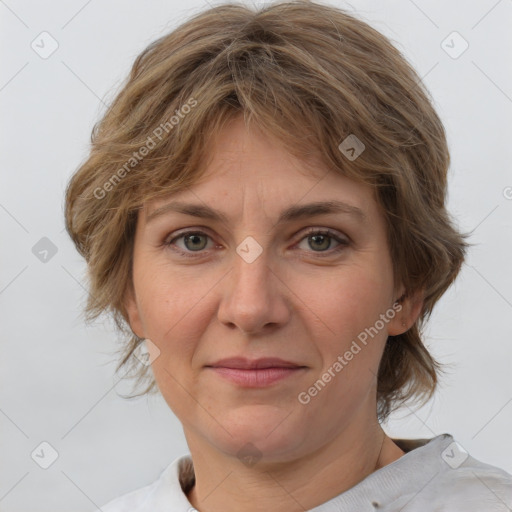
173,240
342,245
342,242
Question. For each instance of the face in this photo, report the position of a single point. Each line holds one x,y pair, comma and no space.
269,278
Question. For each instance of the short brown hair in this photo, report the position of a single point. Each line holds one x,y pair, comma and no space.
309,75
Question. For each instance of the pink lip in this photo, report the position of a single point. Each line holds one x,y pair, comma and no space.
256,373
247,364
255,378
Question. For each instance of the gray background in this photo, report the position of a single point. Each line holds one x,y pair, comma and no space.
57,375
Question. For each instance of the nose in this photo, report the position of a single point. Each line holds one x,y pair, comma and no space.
255,298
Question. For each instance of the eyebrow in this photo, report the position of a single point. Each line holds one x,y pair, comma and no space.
295,212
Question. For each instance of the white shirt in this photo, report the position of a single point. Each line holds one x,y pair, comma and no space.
434,475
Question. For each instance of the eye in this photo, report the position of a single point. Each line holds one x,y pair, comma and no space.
320,240
194,243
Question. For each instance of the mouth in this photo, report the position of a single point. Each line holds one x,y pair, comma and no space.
256,373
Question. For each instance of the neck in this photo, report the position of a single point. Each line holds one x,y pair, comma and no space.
224,483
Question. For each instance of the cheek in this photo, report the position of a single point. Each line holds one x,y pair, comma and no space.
349,300
165,295
348,346
171,310
174,311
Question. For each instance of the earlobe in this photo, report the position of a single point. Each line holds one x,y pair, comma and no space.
408,308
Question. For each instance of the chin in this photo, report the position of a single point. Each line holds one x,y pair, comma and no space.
262,429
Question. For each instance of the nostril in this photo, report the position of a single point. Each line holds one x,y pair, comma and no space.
375,504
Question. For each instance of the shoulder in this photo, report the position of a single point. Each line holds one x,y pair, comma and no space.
130,502
165,493
475,486
462,482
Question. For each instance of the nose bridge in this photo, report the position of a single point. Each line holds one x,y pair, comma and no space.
251,272
252,299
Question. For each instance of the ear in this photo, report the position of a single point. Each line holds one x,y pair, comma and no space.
132,311
408,308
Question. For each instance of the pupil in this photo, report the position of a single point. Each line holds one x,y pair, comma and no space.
195,238
322,237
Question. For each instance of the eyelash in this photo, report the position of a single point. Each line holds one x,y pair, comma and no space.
313,231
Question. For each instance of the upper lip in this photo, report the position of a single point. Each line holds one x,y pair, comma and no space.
248,364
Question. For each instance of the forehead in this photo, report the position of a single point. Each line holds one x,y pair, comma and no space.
257,153
250,167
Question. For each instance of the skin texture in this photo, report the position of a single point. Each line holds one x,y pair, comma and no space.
298,300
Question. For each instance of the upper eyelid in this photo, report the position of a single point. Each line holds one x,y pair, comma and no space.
334,233
207,230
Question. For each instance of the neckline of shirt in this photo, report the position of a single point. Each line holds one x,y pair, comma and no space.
379,488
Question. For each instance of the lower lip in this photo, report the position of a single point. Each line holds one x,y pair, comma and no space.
256,378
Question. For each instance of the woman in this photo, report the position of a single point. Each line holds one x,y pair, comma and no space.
264,209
